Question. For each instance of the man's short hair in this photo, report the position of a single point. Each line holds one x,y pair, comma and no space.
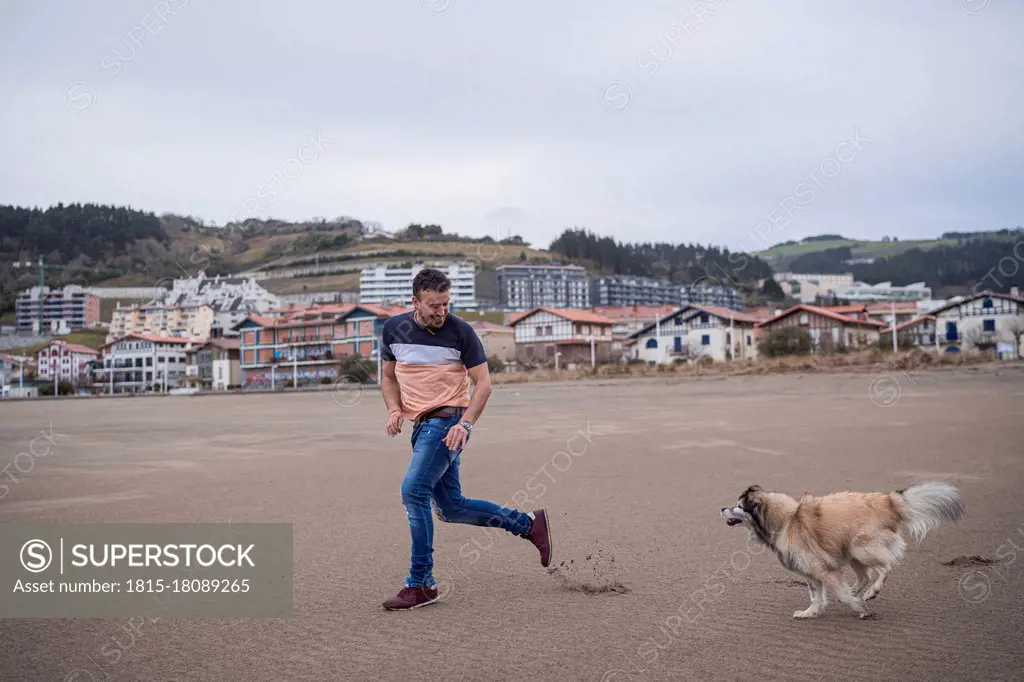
430,279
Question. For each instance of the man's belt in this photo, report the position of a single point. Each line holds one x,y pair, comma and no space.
443,411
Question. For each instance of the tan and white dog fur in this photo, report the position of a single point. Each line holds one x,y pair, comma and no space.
817,537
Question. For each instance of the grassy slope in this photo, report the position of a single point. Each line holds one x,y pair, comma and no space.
93,338
781,255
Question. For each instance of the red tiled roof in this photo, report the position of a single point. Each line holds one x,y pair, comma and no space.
313,315
718,311
763,312
821,311
264,321
291,307
573,314
909,323
886,308
843,309
727,313
73,347
153,337
631,312
485,326
385,310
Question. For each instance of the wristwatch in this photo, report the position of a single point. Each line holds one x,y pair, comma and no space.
466,425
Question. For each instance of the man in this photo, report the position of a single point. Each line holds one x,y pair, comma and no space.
430,358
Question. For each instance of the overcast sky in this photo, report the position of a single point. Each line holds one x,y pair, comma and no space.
721,122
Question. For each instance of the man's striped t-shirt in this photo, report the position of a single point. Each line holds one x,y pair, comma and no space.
431,364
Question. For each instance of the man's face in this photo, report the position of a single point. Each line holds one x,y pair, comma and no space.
432,307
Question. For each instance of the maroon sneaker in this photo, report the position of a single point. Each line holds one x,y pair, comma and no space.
540,536
411,598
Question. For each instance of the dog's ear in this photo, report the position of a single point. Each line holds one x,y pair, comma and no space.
752,489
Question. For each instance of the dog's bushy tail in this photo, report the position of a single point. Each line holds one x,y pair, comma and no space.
926,505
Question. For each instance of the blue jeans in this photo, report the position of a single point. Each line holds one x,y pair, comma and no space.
434,473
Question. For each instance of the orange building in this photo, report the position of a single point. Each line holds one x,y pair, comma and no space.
307,344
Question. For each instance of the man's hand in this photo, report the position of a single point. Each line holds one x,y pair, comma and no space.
394,424
456,437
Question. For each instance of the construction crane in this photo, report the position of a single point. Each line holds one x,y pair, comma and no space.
42,283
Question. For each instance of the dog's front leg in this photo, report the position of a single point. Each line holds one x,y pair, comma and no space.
819,600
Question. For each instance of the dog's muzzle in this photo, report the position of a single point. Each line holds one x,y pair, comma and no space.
732,517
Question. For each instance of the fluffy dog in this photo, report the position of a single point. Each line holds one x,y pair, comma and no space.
817,537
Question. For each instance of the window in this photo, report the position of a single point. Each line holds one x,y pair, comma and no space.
750,340
988,325
987,303
705,340
652,343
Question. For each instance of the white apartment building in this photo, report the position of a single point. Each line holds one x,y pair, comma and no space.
231,298
42,310
885,291
144,362
392,285
524,287
806,286
69,361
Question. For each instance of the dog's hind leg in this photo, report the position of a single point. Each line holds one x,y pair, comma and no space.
864,577
833,581
881,556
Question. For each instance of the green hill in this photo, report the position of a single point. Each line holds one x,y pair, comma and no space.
782,256
950,265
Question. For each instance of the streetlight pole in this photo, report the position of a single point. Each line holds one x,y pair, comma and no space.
893,306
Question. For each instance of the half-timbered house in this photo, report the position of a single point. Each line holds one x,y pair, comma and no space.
694,331
827,329
982,322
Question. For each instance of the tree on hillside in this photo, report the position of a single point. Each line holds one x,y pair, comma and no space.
772,291
415,231
824,238
679,263
826,261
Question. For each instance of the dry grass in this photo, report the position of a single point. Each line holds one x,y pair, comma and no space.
348,281
481,251
865,361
